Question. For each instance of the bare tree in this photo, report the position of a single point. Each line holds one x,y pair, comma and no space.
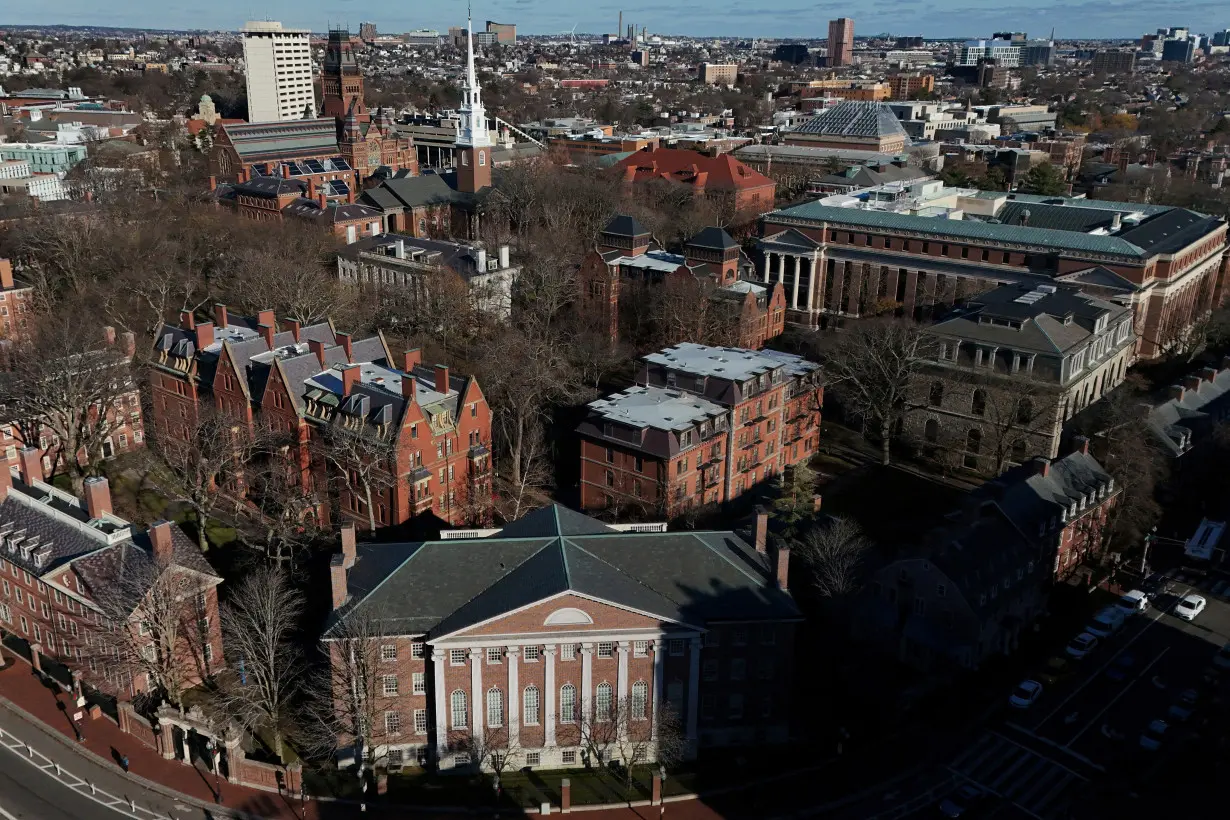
796,497
493,749
153,621
873,370
69,384
521,493
284,512
833,554
623,732
1016,410
259,622
362,460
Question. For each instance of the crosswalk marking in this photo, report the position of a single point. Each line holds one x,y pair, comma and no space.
1039,786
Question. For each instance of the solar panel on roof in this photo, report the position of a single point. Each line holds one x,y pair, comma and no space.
340,188
258,171
341,164
314,167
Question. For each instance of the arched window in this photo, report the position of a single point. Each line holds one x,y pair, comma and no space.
529,705
973,441
422,225
1025,412
937,394
495,707
457,703
465,158
568,703
482,158
602,703
640,697
931,431
1018,450
979,405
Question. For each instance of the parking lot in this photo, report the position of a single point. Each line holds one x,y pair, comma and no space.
1087,724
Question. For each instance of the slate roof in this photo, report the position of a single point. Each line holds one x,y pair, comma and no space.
1169,231
455,256
721,173
854,118
439,587
713,238
270,141
1177,422
625,225
1056,217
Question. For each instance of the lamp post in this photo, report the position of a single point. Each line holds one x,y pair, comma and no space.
211,746
662,795
1144,558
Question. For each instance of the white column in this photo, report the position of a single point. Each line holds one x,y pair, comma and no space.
781,267
768,264
514,698
693,688
549,703
622,686
438,659
798,272
478,711
587,680
658,673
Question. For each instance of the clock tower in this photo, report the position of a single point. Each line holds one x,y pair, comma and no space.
473,138
341,81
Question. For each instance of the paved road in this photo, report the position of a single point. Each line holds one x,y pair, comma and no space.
26,795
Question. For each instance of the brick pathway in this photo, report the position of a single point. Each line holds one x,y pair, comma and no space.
104,743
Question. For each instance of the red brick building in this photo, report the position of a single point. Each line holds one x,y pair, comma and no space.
627,259
703,426
750,192
330,205
15,301
314,382
535,634
61,562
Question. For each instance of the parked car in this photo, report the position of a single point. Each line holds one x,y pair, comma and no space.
1081,645
1106,622
1184,705
959,803
1122,667
1222,659
1056,670
1134,602
1025,695
1153,735
1190,606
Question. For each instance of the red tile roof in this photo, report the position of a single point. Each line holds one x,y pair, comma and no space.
721,173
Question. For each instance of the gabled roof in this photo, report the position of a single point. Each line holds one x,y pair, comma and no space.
440,587
723,172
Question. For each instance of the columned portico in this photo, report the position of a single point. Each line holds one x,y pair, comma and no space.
514,698
693,689
659,666
437,662
587,680
549,716
478,711
622,685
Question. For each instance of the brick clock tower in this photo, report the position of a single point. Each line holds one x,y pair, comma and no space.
341,82
473,138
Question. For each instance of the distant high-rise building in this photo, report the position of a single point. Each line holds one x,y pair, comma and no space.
1006,53
910,42
1178,51
278,66
841,41
718,73
1011,36
1037,52
1221,38
505,33
1114,62
457,36
367,31
793,53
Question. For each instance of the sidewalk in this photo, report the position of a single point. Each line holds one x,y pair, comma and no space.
29,711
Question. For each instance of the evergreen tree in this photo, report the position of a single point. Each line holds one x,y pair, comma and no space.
1044,179
795,502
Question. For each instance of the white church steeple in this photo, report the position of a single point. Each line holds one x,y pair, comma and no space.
472,130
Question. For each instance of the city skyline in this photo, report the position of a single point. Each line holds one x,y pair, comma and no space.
929,18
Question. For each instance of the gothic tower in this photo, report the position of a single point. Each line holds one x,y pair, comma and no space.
473,139
341,82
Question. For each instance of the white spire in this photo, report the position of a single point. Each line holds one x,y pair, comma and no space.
473,125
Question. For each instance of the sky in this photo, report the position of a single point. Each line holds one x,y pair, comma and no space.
759,18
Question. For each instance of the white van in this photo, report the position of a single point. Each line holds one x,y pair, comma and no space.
1134,602
1107,622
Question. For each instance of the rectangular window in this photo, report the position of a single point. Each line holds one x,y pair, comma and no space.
392,723
494,655
533,758
640,649
709,670
768,636
707,702
389,682
736,706
457,657
531,654
740,637
738,669
420,721
676,648
606,650
712,639
568,652
418,683
568,757
765,669
388,652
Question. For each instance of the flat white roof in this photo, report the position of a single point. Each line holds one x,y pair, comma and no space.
1205,539
657,407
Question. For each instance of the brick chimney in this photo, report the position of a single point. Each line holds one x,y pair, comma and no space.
414,358
220,316
350,377
783,567
322,200
30,464
285,171
1208,374
317,347
97,496
1177,391
337,580
267,332
442,379
6,480
186,320
204,335
128,344
213,182
760,535
343,339
109,336
6,273
1191,382
160,541
349,195
1042,466
348,545
293,326
1080,444
1225,362
266,317
311,191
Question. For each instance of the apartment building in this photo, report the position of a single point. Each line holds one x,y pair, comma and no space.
531,636
281,81
61,560
703,426
16,301
902,86
430,429
923,248
718,73
1011,366
841,42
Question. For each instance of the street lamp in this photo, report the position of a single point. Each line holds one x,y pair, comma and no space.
1144,558
661,790
214,758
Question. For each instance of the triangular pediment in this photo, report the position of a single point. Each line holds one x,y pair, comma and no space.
790,238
